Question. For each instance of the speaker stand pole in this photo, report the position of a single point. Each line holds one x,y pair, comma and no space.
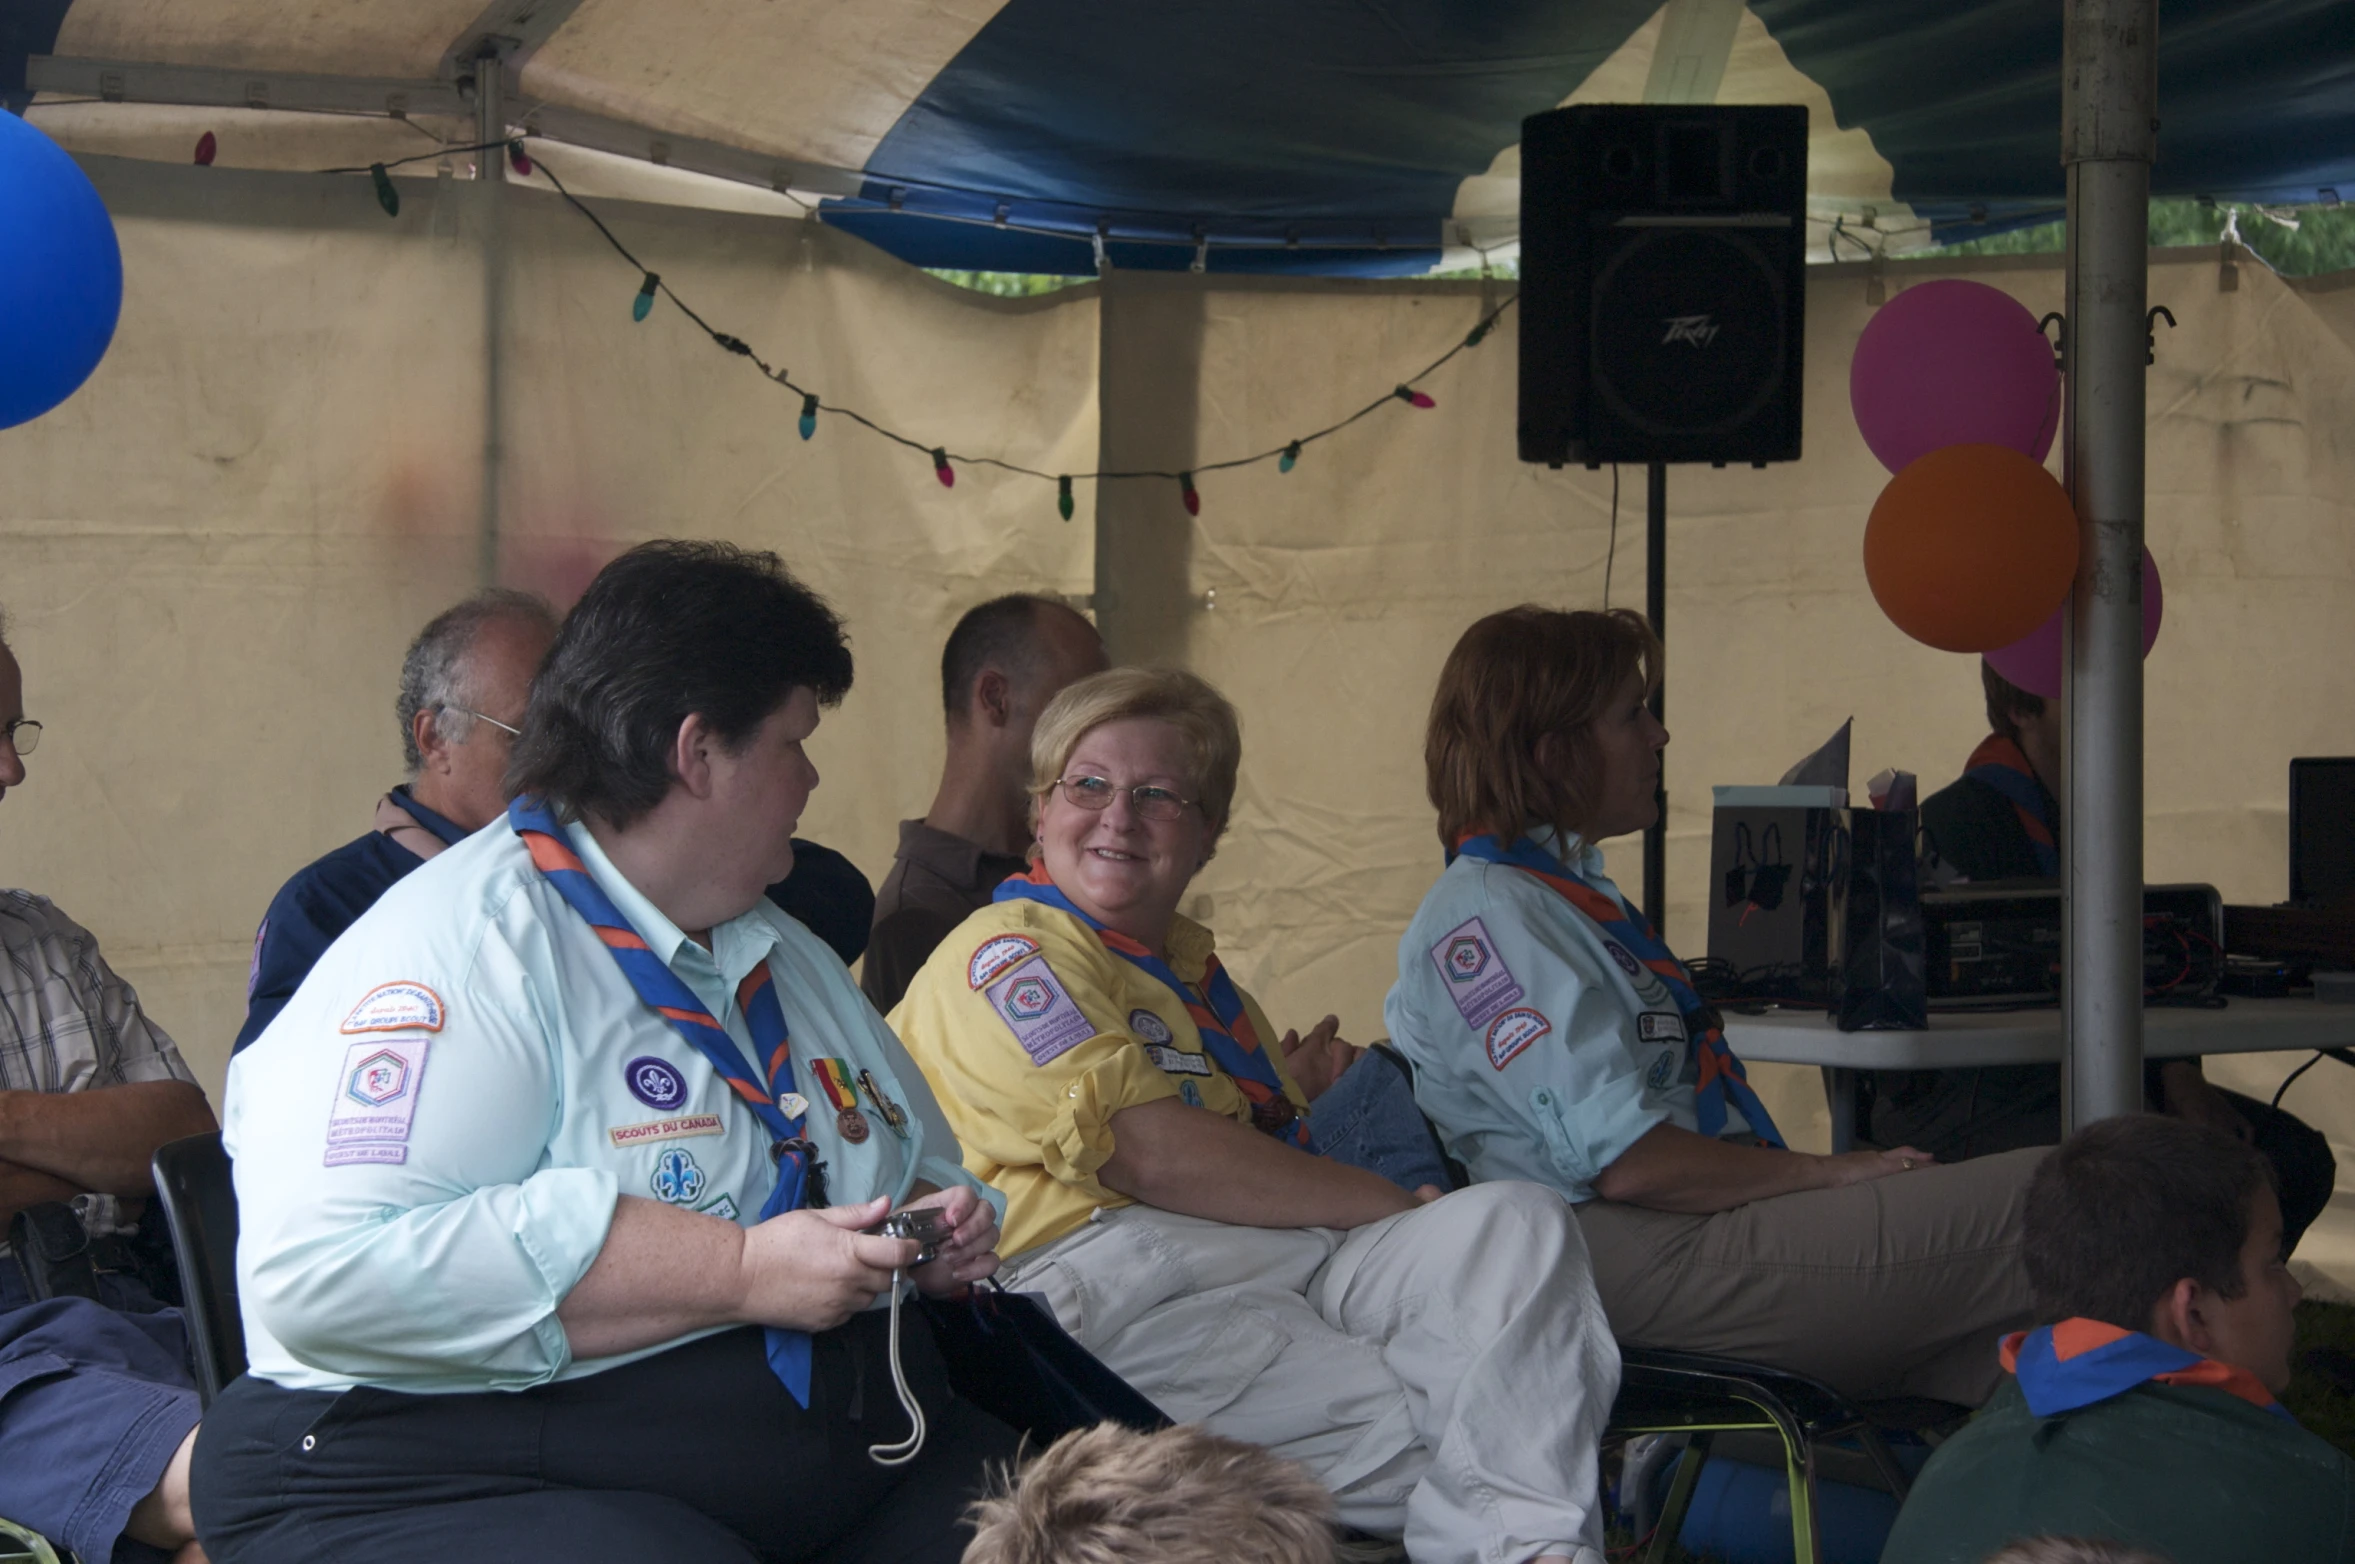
1656,609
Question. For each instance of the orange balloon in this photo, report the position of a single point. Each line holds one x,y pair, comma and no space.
1970,547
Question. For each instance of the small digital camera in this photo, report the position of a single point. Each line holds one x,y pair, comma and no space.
922,1223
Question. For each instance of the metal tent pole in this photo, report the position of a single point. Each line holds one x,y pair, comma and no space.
1656,609
2109,126
490,109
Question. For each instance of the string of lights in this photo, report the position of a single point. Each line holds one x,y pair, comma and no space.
945,462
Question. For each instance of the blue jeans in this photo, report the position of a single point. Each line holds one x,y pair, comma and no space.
1369,1120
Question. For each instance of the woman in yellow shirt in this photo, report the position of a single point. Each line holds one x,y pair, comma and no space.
1440,1363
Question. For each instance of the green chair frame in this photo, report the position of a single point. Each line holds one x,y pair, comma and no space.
20,1546
1703,1397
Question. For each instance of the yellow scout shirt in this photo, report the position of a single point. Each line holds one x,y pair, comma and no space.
1033,1035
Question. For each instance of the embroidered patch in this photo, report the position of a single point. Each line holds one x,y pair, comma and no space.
1648,986
1150,1027
396,1007
1512,1032
793,1105
1044,1019
1663,1070
1477,979
685,1128
676,1179
1176,1060
996,955
375,1101
1655,1026
653,1082
724,1206
1192,1097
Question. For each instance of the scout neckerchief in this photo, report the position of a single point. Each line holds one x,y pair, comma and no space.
1216,1006
1721,1073
661,988
2079,1362
2002,765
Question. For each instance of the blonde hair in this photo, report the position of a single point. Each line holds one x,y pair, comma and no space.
1188,703
1514,678
2072,1550
1111,1495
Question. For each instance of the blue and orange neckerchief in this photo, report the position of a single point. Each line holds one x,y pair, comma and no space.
675,1002
1721,1076
2080,1362
2001,764
1216,1006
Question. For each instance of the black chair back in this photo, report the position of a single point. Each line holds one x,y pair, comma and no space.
200,1208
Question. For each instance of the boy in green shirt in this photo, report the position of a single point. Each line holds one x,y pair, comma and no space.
2142,1410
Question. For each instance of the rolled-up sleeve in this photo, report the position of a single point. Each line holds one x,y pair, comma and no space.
1039,1091
436,1255
1548,1086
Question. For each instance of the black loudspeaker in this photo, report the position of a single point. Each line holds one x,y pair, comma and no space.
1663,257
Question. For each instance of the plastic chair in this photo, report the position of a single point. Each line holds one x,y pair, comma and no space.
200,1208
1688,1393
19,1546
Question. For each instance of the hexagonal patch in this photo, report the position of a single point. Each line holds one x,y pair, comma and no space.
380,1078
1467,958
1029,999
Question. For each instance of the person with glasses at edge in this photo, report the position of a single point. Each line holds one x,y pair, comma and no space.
98,1411
464,681
1439,1362
1556,1038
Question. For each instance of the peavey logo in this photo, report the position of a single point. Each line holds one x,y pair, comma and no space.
1699,330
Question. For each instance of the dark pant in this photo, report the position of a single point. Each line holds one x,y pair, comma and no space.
1956,1114
696,1455
95,1398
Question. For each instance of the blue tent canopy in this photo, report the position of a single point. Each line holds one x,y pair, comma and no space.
1309,136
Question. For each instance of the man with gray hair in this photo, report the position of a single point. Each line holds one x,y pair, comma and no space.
464,683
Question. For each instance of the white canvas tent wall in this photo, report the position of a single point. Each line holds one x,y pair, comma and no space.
214,552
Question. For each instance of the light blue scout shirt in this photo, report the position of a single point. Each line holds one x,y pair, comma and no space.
1542,1049
430,1138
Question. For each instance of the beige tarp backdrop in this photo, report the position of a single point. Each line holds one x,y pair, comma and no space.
215,551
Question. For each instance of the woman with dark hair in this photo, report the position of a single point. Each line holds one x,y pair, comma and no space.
556,1176
1556,1039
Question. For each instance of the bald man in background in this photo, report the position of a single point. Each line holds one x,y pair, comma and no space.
1003,662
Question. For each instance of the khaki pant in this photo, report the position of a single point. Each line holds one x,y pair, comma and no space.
1446,1372
1897,1287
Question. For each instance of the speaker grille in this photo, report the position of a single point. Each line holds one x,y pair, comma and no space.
1688,329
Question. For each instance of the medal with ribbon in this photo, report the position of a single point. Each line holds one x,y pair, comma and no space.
841,1089
771,1097
1216,1007
1721,1076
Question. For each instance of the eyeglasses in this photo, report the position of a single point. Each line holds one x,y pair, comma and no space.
1154,803
23,736
493,721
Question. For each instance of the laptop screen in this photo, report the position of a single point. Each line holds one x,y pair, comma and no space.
2322,830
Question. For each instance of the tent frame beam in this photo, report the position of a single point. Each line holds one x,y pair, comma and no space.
2109,133
130,81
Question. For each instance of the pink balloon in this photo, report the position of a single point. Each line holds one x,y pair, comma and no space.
1953,363
2033,662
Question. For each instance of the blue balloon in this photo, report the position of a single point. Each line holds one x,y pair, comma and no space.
61,274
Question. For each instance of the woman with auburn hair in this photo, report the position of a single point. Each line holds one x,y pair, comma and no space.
1556,1039
1441,1364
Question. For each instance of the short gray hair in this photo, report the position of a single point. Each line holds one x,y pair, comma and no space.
435,674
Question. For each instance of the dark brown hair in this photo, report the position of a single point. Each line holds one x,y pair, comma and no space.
2124,1209
2007,703
668,629
1513,678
